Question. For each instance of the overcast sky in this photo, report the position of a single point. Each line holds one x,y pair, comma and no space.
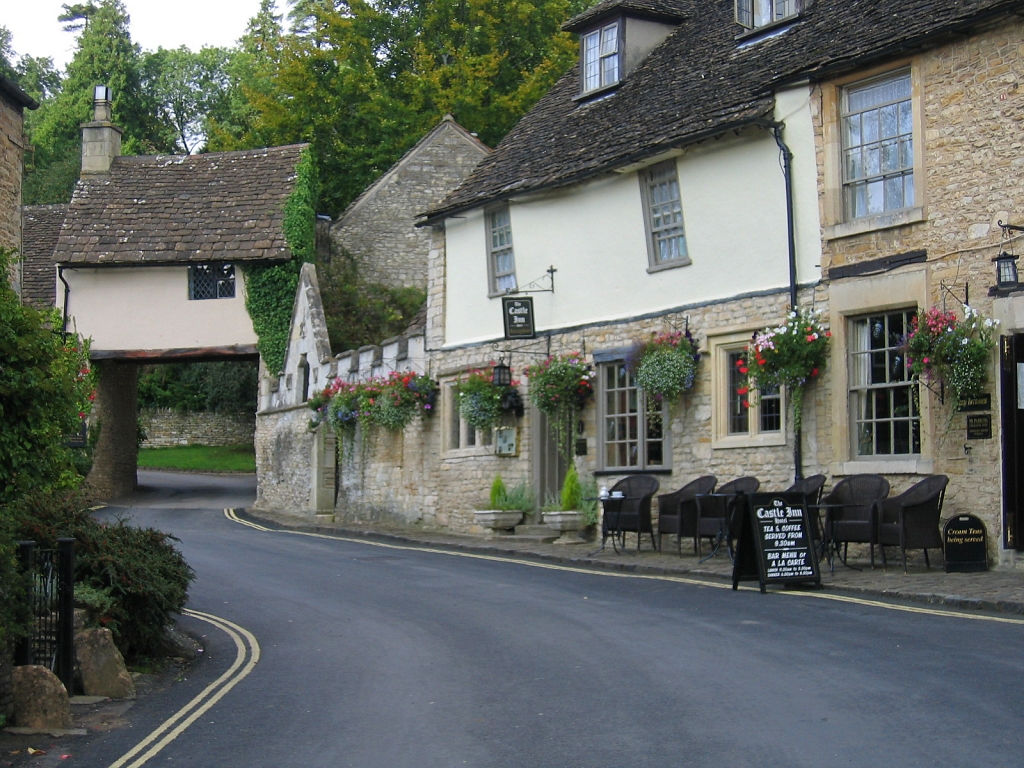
154,24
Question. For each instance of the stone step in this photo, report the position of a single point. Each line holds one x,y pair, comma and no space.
534,530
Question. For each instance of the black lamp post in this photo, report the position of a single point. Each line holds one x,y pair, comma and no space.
1006,271
502,375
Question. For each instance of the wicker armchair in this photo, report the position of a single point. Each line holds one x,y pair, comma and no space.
856,519
911,520
715,515
633,513
677,511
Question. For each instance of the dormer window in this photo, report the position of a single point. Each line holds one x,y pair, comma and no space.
600,56
754,14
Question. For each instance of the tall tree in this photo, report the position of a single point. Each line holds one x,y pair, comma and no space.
190,89
105,54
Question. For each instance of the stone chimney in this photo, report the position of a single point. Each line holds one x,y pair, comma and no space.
101,139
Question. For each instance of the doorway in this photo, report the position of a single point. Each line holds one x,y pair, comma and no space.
1011,375
549,465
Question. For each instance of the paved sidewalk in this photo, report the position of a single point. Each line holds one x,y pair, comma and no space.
995,590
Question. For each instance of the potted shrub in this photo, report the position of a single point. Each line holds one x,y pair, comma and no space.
506,507
570,519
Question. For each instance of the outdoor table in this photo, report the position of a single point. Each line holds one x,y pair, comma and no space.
831,548
723,530
610,520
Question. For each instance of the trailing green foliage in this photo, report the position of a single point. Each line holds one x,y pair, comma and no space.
391,402
139,568
665,364
359,312
480,398
270,289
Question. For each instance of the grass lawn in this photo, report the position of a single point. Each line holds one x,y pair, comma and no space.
234,458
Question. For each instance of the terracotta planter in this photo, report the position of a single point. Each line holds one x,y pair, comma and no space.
499,521
569,524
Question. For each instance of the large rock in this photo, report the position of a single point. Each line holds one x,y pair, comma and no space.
40,699
102,666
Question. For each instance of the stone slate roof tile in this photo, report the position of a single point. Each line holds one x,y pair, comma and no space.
192,208
673,10
40,229
705,79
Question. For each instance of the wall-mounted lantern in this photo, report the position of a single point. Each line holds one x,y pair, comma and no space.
1007,278
501,375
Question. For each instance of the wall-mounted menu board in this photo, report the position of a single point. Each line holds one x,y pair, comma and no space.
777,541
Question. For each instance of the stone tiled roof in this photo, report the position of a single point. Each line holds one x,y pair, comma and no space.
706,79
15,95
168,209
657,9
40,229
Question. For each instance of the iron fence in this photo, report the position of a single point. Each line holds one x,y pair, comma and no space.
51,599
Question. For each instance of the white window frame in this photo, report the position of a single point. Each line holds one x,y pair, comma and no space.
720,347
756,14
502,231
604,415
600,57
861,388
864,144
659,186
460,439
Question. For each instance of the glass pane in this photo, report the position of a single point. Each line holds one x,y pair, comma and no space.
875,197
906,117
894,193
889,119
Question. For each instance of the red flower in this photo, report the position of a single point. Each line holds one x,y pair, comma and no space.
746,403
761,362
739,363
828,334
814,372
742,390
744,369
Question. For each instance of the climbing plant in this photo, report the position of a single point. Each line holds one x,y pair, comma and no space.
270,289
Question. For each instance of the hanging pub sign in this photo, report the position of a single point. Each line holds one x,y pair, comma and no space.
976,403
518,314
776,541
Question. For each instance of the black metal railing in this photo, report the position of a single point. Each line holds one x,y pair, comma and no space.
51,603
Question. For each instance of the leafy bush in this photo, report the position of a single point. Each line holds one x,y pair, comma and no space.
572,493
139,568
520,497
218,387
498,492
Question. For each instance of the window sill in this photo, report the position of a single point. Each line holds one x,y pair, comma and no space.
632,471
908,466
669,265
499,294
873,223
602,91
749,441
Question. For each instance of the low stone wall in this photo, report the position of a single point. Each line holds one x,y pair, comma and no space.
166,427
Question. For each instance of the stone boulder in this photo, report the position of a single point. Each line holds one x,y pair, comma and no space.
102,666
40,699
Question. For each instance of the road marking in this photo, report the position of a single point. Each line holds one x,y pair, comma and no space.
231,515
245,646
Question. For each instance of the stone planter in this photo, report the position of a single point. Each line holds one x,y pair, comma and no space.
499,522
568,524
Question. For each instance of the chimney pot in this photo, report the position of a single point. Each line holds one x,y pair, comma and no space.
101,139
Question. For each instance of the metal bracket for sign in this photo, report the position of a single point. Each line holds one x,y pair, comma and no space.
534,286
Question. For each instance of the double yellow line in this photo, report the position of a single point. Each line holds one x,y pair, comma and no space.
822,595
247,655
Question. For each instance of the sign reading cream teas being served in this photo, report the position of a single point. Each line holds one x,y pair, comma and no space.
518,315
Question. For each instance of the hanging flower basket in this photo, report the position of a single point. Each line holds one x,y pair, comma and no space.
955,353
666,364
391,402
790,355
560,387
482,402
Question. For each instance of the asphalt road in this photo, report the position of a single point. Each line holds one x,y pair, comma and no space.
374,656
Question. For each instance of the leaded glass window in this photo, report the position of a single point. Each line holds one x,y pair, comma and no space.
664,214
633,429
499,240
600,57
211,281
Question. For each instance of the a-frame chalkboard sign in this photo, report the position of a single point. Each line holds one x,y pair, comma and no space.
776,541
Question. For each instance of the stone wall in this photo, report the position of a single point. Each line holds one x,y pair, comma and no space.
971,118
378,229
284,466
166,427
12,148
115,458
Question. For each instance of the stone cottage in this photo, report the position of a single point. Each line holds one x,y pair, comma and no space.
709,171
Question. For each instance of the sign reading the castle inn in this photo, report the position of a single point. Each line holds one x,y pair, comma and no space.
518,315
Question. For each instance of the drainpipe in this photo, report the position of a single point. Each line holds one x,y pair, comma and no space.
67,294
776,128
